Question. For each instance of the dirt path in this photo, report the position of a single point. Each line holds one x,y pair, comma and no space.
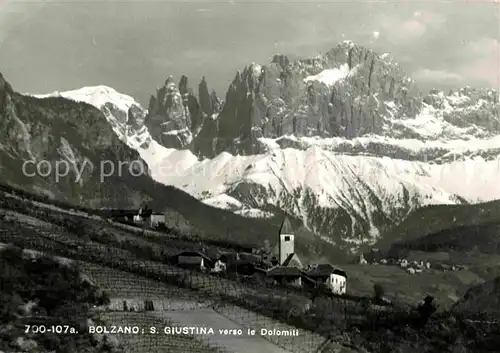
209,318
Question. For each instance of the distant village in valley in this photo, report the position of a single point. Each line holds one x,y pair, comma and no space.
279,266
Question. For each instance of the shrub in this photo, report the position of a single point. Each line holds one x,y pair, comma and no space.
56,292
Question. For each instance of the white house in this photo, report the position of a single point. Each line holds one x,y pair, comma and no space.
338,283
219,267
157,219
334,278
152,220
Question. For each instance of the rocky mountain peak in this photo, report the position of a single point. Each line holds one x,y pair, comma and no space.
168,118
176,115
170,81
468,106
136,117
281,60
348,92
341,93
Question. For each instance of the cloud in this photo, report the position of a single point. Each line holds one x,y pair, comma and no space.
480,66
376,34
402,30
437,76
485,64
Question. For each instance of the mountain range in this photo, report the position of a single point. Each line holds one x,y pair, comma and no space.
344,143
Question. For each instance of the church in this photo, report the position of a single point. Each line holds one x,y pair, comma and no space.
287,265
289,269
286,246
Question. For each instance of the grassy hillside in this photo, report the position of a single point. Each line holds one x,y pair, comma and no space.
483,298
484,238
432,219
191,219
465,235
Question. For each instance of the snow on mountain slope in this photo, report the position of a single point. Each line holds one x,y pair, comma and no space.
330,76
320,187
347,189
429,124
119,111
96,96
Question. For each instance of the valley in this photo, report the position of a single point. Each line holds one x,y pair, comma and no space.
393,185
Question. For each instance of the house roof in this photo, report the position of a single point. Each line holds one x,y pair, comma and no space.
286,227
241,263
261,270
227,256
194,253
126,213
245,247
145,212
305,277
288,259
284,271
292,260
250,257
325,270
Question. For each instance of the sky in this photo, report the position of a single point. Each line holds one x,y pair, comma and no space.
133,46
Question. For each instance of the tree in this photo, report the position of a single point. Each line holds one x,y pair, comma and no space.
425,310
378,292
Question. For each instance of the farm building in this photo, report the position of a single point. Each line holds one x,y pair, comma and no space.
334,278
228,257
286,275
252,258
157,220
193,260
143,216
242,267
122,215
247,248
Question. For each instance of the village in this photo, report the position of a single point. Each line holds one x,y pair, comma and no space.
412,267
280,266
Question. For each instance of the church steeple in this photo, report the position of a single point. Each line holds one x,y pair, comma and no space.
286,227
286,242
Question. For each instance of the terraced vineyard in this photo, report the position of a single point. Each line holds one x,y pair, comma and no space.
134,290
59,242
102,262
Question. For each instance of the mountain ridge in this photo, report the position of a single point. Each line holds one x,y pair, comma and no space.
370,94
348,190
60,130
